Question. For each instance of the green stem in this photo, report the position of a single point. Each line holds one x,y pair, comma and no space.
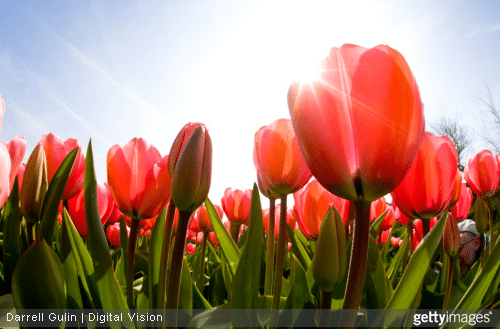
326,305
234,227
490,215
165,251
174,276
280,254
199,282
129,270
449,283
357,266
268,285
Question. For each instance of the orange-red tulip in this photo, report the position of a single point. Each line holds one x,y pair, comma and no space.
138,178
482,173
4,174
76,208
200,222
190,166
360,123
277,158
17,149
311,204
400,217
457,189
462,207
190,248
20,174
55,152
213,238
236,205
427,189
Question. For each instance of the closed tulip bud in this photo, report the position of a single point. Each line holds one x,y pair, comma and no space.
34,184
451,236
330,259
481,215
190,166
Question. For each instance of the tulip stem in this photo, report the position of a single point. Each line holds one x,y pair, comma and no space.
129,274
409,231
174,276
199,282
234,227
490,215
449,282
326,305
357,266
165,251
280,254
268,285
426,227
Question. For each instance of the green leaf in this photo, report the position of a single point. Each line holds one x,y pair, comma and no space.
409,284
12,232
298,249
54,195
375,285
246,281
300,296
397,262
110,293
199,302
42,288
155,246
229,249
67,255
186,288
376,224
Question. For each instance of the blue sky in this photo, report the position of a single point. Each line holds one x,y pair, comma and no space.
115,70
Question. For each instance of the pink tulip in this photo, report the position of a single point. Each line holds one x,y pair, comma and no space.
17,149
4,174
236,205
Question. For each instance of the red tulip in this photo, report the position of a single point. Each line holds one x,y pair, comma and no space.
190,248
311,204
236,205
213,238
360,124
462,208
389,219
138,178
4,173
265,188
482,173
427,189
378,207
400,217
55,152
113,234
17,149
277,158
200,221
20,174
76,208
190,166
290,219
457,189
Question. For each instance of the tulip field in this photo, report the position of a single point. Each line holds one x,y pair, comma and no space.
148,248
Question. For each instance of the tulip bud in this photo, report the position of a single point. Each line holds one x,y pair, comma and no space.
451,236
34,184
330,260
481,215
190,166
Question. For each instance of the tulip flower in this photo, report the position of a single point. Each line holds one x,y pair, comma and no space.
76,208
213,238
113,234
457,189
482,173
462,207
277,158
20,174
400,217
190,166
190,248
236,205
427,189
17,149
4,173
359,126
138,178
55,152
311,204
200,222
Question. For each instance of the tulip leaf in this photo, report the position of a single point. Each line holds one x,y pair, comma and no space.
110,293
376,224
68,259
375,285
155,246
12,232
229,249
199,302
84,265
298,248
246,282
398,261
54,195
38,280
409,284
